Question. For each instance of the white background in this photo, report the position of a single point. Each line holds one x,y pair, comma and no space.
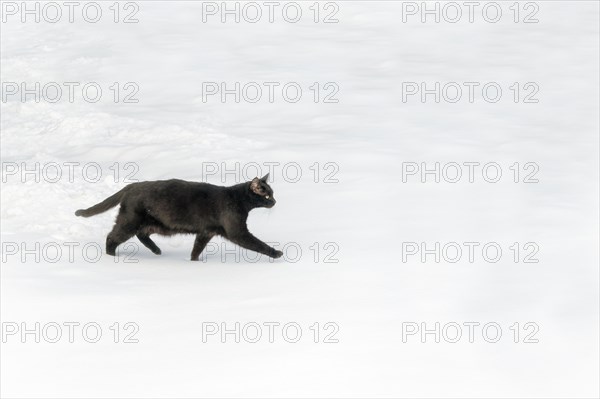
370,292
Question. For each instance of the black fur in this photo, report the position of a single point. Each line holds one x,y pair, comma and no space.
168,207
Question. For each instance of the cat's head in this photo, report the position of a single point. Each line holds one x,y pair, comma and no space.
261,192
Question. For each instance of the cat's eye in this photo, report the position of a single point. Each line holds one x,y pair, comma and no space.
266,196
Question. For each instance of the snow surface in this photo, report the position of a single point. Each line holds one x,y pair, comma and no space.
369,133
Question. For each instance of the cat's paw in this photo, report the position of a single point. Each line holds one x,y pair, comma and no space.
276,254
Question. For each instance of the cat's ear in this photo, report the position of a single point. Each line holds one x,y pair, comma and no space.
255,185
265,178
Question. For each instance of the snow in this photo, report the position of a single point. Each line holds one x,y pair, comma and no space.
365,138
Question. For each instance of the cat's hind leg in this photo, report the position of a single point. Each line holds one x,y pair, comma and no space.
116,237
148,243
126,226
200,243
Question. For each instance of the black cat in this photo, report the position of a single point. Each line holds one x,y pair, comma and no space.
168,207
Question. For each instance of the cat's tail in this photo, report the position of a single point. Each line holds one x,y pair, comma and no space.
103,206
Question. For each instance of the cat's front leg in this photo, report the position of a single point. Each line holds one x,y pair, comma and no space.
248,241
